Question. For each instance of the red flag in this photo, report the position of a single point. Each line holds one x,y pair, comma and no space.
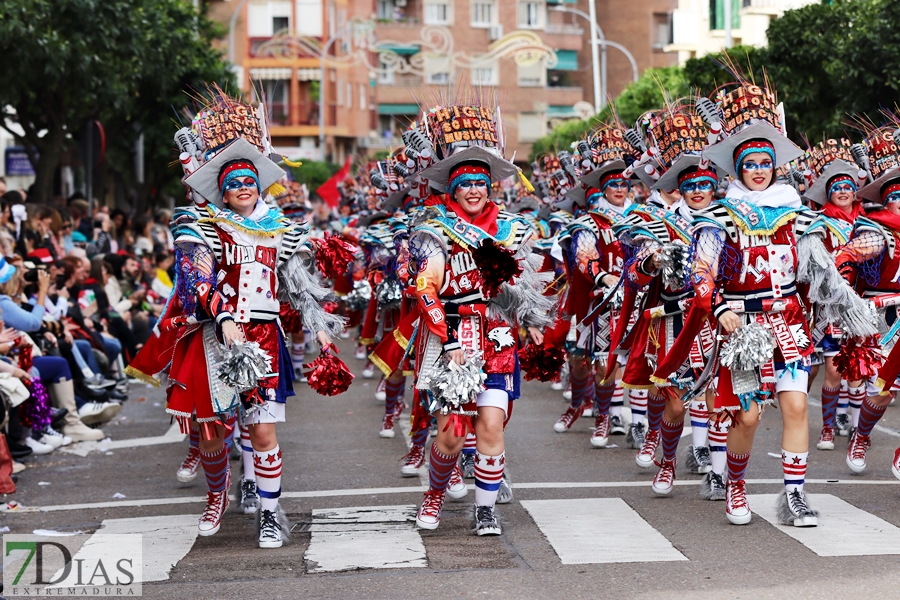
328,191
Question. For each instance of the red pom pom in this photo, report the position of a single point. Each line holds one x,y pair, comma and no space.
858,359
497,266
330,307
328,375
541,362
290,319
333,255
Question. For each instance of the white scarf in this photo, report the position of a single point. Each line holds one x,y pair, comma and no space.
777,195
604,203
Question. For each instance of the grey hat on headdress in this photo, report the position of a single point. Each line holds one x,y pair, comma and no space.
439,174
872,192
592,179
205,180
722,153
818,191
669,179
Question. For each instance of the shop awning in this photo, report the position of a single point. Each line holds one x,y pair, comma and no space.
403,49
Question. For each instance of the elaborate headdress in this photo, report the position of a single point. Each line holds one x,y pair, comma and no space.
227,139
468,143
883,163
752,121
830,163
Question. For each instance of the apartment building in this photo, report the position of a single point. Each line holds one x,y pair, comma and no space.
276,48
642,26
698,26
386,56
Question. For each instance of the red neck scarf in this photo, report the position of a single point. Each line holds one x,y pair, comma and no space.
888,219
836,212
487,220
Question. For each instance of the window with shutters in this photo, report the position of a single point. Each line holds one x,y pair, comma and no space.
484,13
438,12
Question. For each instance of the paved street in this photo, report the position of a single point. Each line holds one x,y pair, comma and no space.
583,522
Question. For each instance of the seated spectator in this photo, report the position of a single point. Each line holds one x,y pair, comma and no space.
162,283
143,242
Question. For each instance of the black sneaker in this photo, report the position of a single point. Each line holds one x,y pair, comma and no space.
635,436
616,426
468,465
486,521
17,450
57,415
794,510
842,425
712,487
505,493
270,534
249,497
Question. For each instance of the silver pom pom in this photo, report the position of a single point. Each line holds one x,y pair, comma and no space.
244,365
455,385
673,264
359,296
389,293
747,348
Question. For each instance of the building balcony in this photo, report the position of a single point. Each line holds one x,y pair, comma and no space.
762,7
271,47
563,29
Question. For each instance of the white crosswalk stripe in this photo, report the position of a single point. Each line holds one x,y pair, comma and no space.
844,530
599,530
368,537
165,541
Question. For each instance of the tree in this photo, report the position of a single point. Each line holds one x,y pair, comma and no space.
313,173
707,73
124,62
638,97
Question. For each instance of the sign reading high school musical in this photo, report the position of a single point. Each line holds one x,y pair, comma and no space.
463,124
883,151
749,103
222,126
824,153
679,134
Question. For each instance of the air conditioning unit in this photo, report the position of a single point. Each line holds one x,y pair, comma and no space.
400,3
495,32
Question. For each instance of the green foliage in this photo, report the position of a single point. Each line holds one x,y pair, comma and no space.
638,97
707,73
123,62
314,173
827,62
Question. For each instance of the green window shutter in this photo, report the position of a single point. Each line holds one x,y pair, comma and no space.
566,60
398,109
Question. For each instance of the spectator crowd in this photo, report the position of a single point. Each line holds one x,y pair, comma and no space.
80,293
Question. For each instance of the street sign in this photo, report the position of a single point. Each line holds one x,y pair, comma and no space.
17,163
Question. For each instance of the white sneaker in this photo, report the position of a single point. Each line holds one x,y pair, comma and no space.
98,412
457,489
51,437
369,371
381,391
216,505
37,447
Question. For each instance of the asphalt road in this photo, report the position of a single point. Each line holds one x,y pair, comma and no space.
334,459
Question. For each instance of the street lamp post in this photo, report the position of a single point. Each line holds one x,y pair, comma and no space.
596,32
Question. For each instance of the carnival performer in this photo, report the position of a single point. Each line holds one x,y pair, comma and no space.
658,235
594,266
469,318
749,251
235,258
870,261
834,189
